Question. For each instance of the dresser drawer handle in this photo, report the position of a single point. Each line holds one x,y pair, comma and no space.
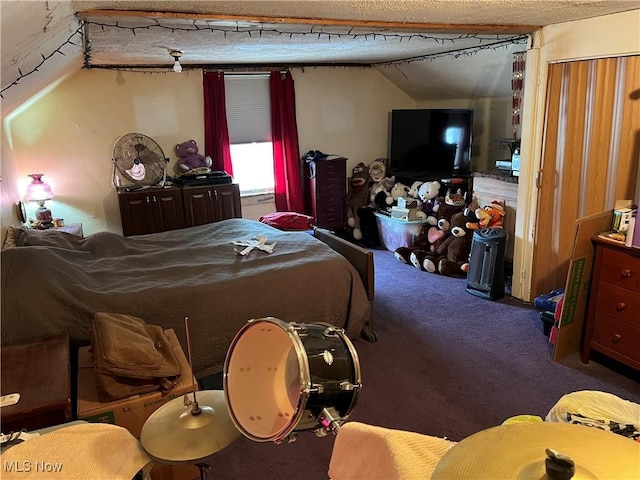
616,338
621,306
626,273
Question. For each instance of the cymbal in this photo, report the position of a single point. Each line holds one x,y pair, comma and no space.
517,451
174,435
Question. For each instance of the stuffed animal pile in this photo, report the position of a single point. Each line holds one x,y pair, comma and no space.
444,243
444,248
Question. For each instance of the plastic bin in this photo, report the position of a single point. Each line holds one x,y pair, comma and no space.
396,233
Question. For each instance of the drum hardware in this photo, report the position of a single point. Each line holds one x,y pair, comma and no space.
330,419
298,328
333,331
348,386
185,431
558,466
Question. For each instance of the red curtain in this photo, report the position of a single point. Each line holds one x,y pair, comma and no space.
216,133
286,154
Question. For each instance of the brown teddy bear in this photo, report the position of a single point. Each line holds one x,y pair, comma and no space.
357,197
452,256
456,263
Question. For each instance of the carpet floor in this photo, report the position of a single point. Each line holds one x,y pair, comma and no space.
446,364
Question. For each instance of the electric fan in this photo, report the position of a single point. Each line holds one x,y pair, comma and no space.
138,162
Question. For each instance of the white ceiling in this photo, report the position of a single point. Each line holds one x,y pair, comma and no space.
429,48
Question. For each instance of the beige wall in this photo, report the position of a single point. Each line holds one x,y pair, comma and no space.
607,36
345,111
69,134
8,188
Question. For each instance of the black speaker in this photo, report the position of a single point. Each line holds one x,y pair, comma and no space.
485,278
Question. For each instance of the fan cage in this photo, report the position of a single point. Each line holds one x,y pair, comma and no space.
138,162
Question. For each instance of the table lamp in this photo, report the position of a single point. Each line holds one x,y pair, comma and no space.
38,191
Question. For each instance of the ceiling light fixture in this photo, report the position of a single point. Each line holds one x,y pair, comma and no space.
176,54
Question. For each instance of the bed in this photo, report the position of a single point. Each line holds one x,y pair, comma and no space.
55,282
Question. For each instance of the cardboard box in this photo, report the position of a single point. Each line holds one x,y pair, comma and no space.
131,412
576,290
622,216
406,214
174,472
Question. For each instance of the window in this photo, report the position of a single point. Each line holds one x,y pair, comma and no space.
249,123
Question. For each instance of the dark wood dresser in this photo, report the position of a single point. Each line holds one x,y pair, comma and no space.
613,315
211,203
151,210
326,192
39,370
156,210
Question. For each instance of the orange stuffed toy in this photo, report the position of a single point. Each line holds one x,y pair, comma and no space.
488,216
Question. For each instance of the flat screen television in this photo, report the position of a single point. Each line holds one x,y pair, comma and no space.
430,144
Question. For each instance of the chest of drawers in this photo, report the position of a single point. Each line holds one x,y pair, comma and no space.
613,315
326,192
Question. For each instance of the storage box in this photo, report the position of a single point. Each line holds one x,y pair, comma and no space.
622,216
174,472
405,214
576,290
396,233
131,412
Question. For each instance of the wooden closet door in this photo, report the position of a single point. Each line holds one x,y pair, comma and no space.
590,155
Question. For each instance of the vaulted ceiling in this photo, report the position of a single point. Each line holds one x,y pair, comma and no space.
432,49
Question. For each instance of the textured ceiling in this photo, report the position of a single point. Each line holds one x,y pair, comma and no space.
429,48
458,12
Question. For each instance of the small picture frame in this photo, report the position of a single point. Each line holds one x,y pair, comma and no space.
21,211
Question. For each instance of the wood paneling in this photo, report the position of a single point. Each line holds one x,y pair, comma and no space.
629,153
594,196
547,179
590,155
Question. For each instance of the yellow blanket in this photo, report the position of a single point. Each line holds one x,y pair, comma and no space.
366,451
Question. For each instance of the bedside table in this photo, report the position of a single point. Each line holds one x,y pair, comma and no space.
72,228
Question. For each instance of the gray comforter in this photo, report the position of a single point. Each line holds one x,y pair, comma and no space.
55,282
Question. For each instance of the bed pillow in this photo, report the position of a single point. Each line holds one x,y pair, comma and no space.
33,237
288,220
10,239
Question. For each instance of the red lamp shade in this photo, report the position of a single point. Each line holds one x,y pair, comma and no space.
38,191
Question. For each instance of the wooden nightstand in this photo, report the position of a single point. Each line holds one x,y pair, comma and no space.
613,325
39,370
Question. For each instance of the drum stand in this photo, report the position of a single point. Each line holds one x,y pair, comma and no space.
204,468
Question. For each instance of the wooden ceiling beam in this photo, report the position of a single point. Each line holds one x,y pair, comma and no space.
412,26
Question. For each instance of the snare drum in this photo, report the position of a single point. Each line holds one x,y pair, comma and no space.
278,377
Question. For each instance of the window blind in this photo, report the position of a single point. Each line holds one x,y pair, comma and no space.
248,108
